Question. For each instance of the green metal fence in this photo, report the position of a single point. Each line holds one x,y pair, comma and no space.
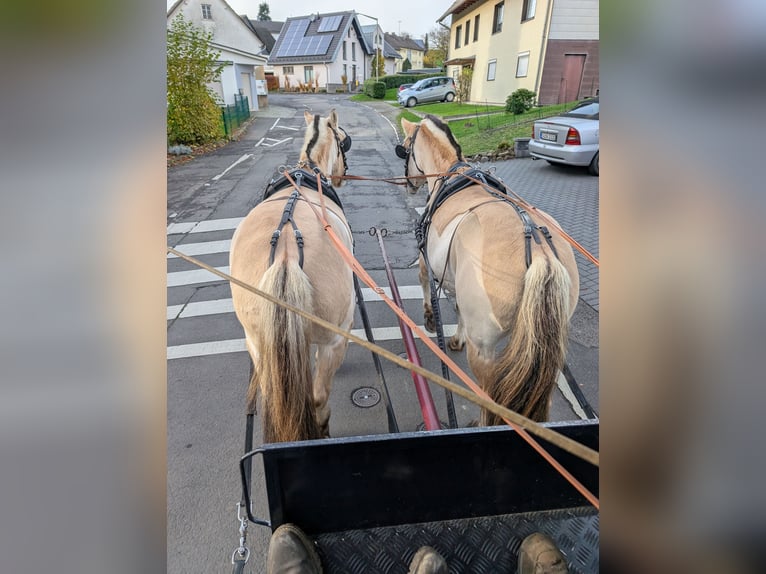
235,115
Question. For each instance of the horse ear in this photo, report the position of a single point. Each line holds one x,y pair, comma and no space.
408,126
308,116
332,118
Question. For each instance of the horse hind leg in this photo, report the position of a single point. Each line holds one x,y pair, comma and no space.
428,312
328,360
457,341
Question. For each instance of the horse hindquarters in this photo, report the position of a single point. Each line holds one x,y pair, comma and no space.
526,373
283,373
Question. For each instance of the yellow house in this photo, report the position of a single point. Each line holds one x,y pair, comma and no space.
548,46
408,48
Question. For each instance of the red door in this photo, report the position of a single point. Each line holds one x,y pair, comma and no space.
571,77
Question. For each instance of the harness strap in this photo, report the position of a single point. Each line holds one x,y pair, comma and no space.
287,216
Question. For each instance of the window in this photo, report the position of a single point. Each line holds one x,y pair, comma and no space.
308,73
497,22
476,29
287,70
467,32
207,13
344,50
491,68
528,10
353,51
458,34
345,71
522,65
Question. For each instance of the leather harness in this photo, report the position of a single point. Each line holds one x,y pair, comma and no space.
303,178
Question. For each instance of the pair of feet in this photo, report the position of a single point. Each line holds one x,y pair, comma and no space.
291,552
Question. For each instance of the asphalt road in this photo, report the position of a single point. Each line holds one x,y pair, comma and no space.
207,364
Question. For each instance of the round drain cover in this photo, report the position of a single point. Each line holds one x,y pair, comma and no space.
365,397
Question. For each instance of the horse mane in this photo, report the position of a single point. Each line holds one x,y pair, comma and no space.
312,140
445,128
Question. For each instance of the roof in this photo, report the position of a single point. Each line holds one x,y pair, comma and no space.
399,43
265,30
388,50
315,38
459,6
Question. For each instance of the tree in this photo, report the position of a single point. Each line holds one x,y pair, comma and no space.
437,48
406,65
263,12
464,85
378,64
193,116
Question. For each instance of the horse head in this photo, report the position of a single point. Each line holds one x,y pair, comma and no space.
428,148
325,146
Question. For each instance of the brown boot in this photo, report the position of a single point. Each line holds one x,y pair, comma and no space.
428,561
539,555
291,552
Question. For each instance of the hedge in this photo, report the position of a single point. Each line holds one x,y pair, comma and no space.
396,80
375,89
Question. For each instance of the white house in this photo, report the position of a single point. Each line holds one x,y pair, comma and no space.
241,51
320,50
374,36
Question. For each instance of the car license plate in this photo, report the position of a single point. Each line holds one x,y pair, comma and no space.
549,136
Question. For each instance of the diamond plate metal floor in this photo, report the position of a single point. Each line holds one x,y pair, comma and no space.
477,546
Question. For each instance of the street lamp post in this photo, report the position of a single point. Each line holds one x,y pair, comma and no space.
374,42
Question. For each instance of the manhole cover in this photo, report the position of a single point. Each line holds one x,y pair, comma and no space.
365,397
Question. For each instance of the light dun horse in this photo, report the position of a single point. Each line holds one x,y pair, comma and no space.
507,287
281,248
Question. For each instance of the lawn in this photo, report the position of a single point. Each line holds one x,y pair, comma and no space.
483,132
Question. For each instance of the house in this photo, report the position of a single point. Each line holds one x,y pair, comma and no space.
266,30
412,50
322,50
241,51
374,36
550,47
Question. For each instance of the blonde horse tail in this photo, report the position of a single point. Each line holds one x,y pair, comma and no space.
526,373
283,373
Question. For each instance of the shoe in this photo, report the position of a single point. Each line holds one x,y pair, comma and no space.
291,552
427,561
539,555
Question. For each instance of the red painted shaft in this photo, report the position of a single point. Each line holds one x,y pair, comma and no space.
427,407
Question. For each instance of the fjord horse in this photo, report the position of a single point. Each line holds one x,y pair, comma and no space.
281,248
513,276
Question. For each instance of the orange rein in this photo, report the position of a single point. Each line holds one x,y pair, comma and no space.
571,240
364,276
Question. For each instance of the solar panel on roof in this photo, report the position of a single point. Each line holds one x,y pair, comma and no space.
330,23
296,43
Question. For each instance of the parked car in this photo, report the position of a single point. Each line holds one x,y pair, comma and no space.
439,89
571,138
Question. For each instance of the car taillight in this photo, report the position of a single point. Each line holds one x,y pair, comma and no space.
573,137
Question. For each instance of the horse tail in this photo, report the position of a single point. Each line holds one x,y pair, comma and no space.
283,373
526,373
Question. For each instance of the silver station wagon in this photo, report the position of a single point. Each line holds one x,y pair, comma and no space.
571,138
439,89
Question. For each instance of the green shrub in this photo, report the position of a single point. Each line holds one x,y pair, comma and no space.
396,80
374,89
193,116
520,101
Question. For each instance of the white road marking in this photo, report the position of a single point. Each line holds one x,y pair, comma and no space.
260,141
179,278
240,160
202,248
238,345
275,142
274,124
204,226
569,396
288,128
216,306
420,210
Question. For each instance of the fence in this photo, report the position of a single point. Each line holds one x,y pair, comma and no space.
235,115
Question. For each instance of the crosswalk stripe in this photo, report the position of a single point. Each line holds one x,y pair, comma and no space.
206,248
215,306
204,226
238,345
179,278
